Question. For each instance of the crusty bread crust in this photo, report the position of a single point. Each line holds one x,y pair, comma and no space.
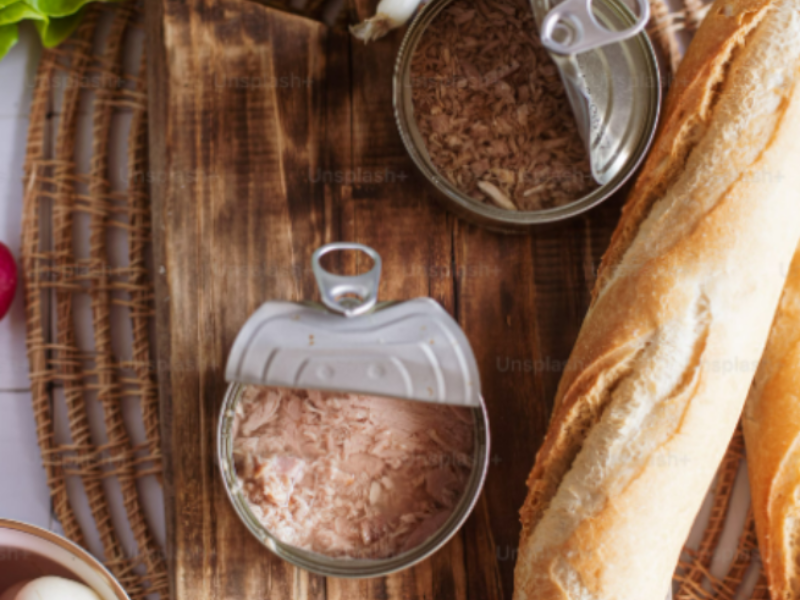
685,117
772,437
681,312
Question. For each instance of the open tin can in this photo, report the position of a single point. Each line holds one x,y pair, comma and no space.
611,78
350,343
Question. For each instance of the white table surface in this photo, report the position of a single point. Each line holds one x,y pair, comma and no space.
23,489
28,499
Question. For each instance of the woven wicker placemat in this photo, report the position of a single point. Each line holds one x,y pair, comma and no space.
57,278
86,77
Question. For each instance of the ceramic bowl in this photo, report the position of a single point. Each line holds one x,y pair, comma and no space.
27,552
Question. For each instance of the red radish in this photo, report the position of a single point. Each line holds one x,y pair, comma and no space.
8,279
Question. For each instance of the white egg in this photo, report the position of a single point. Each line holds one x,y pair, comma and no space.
49,588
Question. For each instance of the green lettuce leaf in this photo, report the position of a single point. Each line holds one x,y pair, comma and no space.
8,37
57,8
18,11
54,19
55,30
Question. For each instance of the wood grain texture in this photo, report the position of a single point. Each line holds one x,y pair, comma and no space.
269,133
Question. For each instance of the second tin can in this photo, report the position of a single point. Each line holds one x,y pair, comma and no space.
614,91
412,351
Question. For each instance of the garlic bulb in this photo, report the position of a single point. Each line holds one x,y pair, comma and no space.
389,15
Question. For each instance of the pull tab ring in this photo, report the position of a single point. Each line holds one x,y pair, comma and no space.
350,295
571,27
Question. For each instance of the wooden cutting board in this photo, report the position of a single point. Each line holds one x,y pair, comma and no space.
268,132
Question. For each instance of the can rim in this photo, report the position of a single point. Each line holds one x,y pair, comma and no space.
71,547
348,568
486,214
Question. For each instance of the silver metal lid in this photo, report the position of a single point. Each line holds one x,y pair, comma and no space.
595,47
571,27
412,350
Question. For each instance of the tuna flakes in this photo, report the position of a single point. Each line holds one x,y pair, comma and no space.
492,109
348,475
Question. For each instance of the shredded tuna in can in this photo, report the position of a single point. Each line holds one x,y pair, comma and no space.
492,109
347,475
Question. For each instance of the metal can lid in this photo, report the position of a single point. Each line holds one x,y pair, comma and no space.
411,350
571,27
610,73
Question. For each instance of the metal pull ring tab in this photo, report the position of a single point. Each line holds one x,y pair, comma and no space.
350,295
571,27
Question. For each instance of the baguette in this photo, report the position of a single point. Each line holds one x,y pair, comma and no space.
679,318
772,438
